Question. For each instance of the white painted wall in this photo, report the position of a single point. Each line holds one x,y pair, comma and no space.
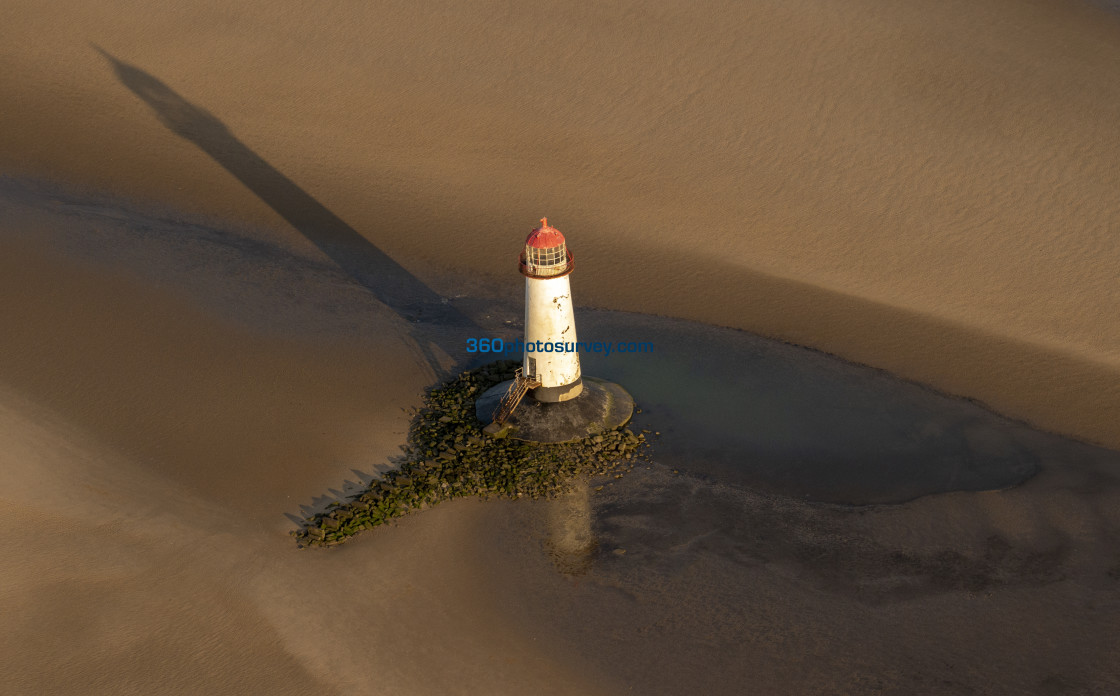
549,318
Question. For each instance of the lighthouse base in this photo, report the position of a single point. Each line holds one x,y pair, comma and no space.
551,395
599,407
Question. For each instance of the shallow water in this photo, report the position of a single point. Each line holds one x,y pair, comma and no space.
748,410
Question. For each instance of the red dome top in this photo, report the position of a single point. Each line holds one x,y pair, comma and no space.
544,237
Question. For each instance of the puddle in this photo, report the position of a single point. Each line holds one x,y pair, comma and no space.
752,411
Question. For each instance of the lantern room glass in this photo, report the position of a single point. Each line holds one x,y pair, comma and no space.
548,259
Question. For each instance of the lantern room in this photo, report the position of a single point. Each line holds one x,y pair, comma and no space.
546,253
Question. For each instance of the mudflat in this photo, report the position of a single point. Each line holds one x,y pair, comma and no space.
237,242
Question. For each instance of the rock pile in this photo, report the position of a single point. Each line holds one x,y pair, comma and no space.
447,456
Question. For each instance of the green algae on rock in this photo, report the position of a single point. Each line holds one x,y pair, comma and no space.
447,456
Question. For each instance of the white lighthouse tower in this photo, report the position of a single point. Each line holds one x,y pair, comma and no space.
565,406
550,357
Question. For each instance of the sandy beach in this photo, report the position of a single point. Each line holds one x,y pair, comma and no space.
874,249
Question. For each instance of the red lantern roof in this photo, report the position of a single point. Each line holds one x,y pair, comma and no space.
544,237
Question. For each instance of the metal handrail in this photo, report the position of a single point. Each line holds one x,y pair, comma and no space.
516,392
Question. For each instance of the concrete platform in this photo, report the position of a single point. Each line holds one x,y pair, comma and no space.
602,406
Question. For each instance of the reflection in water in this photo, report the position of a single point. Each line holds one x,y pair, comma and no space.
570,541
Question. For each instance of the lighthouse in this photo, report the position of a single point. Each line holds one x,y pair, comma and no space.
565,406
550,359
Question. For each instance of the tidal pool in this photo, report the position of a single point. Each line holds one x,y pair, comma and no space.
748,410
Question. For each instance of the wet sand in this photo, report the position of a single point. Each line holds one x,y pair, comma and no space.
928,190
237,242
178,394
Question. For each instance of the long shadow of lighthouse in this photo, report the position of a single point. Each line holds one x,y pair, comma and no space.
388,281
